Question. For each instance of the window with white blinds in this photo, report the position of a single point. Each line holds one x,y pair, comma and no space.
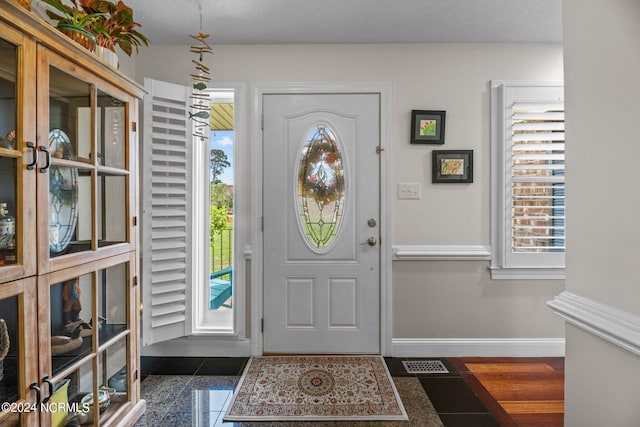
528,187
537,177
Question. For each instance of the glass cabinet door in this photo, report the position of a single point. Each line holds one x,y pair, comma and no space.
17,159
85,184
113,173
70,321
115,337
87,338
18,361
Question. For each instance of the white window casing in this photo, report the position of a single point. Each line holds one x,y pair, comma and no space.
175,220
228,324
527,180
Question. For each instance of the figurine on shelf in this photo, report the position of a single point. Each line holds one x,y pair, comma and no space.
71,297
85,329
71,309
61,344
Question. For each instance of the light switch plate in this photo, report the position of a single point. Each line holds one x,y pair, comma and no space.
409,190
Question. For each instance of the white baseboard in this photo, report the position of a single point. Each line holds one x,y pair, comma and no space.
199,347
402,347
469,347
612,324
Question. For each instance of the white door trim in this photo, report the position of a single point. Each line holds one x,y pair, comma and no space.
260,89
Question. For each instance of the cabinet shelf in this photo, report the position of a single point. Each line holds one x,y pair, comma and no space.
107,333
61,362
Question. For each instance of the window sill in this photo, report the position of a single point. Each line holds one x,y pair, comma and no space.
527,273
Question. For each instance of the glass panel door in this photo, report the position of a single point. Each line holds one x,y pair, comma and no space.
69,141
86,180
114,337
18,361
113,375
111,130
17,160
88,338
70,314
8,165
113,175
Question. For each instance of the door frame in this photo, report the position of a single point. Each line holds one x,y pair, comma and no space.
258,91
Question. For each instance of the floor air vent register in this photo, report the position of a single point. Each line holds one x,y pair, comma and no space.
425,367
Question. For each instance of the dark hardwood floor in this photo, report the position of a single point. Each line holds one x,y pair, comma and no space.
477,391
519,392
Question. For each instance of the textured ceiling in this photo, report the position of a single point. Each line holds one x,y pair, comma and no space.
350,21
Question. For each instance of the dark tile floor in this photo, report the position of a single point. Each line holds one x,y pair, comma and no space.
170,382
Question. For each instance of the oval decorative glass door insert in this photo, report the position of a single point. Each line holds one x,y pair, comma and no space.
320,189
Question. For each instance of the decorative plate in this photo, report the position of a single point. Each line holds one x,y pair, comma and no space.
63,194
59,145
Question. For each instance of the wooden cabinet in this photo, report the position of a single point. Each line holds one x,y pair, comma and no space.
69,338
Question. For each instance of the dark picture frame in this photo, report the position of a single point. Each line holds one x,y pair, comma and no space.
427,126
452,166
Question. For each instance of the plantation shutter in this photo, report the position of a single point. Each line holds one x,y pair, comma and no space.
535,185
166,204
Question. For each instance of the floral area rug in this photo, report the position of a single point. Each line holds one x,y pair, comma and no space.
315,388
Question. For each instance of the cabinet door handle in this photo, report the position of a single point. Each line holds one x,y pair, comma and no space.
50,384
46,166
35,155
33,386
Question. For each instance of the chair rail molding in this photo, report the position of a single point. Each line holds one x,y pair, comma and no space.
441,253
612,324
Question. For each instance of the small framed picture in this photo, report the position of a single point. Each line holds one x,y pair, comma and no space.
452,166
427,127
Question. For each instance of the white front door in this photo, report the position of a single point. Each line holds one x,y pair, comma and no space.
321,198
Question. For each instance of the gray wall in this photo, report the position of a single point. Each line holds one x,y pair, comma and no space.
602,63
431,299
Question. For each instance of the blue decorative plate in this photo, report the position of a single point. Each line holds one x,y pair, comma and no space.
63,194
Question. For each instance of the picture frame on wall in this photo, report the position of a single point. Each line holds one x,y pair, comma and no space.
452,166
427,126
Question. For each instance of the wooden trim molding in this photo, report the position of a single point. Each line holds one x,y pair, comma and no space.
441,253
617,326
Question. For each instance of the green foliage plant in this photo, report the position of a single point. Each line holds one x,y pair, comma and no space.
220,195
217,162
116,26
73,18
218,220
